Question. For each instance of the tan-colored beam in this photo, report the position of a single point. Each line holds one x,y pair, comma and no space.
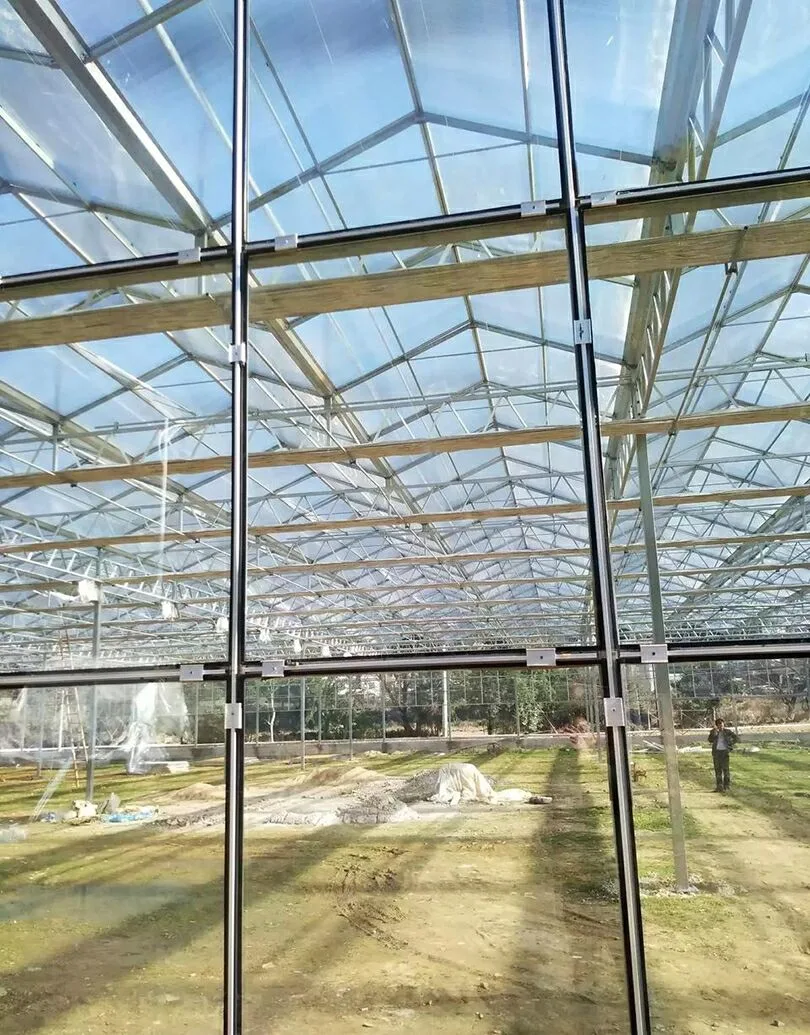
407,447
416,239
398,520
534,269
428,560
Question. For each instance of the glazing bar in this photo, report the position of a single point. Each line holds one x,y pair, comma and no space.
235,681
604,603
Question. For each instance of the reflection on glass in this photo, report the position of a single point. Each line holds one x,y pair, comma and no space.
391,884
725,952
111,861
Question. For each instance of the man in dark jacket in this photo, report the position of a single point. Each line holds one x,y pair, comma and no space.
722,741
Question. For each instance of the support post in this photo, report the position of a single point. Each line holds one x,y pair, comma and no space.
446,732
40,756
517,712
663,689
383,689
196,714
303,717
90,764
235,681
351,721
604,603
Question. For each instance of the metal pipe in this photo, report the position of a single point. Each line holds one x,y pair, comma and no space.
568,656
218,258
351,721
445,707
90,771
303,717
607,635
235,682
660,673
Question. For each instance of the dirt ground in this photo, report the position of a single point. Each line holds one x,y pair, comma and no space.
491,919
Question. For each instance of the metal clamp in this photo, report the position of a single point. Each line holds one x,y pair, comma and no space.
273,668
237,353
191,673
233,716
541,657
604,197
654,654
188,255
533,208
583,332
614,711
285,242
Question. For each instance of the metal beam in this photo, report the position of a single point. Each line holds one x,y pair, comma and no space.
352,452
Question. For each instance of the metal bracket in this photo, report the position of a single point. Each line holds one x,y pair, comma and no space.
583,333
614,711
273,668
541,657
285,242
188,255
233,716
533,208
191,673
237,353
604,197
654,654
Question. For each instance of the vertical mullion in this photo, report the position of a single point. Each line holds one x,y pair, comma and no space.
235,685
605,620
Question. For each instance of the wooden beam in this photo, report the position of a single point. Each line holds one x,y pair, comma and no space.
533,269
406,447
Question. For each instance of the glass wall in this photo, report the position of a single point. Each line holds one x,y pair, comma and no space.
414,484
375,897
739,817
111,894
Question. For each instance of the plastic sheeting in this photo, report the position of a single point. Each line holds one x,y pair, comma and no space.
51,727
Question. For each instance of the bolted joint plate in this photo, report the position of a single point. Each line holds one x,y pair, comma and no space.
191,673
541,657
654,653
614,711
233,716
273,668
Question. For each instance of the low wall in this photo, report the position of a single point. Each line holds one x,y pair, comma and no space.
639,739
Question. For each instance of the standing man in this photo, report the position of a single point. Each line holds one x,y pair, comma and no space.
722,741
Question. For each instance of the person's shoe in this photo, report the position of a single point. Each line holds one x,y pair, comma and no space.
717,790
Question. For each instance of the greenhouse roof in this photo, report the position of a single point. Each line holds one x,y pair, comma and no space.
416,474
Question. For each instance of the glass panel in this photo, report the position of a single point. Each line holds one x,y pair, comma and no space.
454,87
110,900
377,896
153,534
719,94
745,847
727,468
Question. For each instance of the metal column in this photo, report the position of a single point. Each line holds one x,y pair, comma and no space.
445,708
90,774
235,682
351,721
303,719
663,690
606,626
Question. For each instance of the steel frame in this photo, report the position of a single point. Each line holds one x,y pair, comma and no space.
692,96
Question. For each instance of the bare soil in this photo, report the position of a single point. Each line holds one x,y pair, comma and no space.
483,920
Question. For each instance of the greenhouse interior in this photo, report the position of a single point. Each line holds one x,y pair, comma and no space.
404,548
